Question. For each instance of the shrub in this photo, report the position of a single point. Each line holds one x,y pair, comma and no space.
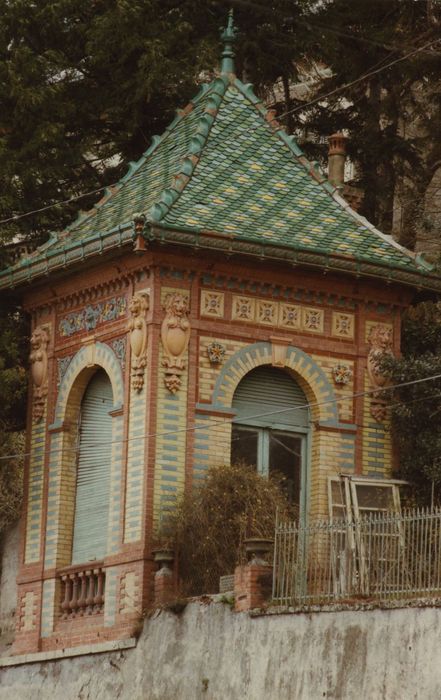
210,523
11,477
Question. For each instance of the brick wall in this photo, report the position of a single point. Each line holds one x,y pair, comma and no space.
305,323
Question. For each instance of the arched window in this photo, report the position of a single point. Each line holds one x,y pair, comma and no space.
271,426
93,471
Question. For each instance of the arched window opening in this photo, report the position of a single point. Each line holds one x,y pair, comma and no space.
93,471
270,428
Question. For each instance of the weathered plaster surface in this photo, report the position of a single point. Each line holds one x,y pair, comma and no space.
210,653
9,548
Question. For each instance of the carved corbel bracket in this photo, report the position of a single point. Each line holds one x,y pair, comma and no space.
39,368
137,329
380,341
175,336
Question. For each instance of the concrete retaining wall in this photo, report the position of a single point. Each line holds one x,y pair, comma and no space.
210,653
9,547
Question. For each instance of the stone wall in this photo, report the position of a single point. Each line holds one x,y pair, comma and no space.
9,549
209,652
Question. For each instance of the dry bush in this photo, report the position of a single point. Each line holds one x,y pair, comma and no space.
210,523
11,477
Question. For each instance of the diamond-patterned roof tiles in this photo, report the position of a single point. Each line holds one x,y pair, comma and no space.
225,166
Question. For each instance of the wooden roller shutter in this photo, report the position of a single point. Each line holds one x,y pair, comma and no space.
266,389
93,471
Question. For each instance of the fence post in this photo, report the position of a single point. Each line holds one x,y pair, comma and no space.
164,586
253,581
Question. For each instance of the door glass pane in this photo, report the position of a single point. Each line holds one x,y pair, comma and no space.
244,443
285,457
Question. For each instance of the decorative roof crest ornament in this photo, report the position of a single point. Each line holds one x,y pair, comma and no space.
139,224
228,37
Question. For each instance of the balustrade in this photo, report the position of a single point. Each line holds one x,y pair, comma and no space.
82,591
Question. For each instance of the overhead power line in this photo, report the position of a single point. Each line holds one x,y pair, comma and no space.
302,107
226,421
365,76
73,198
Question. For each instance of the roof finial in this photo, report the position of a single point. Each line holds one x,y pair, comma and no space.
228,37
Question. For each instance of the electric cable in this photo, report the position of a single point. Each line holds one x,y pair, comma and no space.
365,76
229,420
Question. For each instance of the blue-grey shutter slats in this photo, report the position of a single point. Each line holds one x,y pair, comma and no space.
267,389
93,472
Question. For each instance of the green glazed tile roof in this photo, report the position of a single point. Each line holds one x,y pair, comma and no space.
225,167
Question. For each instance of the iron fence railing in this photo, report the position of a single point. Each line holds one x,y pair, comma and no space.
381,556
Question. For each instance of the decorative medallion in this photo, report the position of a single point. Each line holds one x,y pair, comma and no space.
267,312
91,316
243,309
212,304
289,316
380,341
39,365
312,319
216,352
342,374
62,365
137,329
343,325
175,336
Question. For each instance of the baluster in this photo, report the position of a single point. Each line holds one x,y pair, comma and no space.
99,598
91,591
73,605
65,605
83,592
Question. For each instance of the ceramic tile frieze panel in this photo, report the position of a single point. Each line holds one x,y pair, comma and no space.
267,312
277,314
244,309
313,319
343,325
212,304
290,316
91,316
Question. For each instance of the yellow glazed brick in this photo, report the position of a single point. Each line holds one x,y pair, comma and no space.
28,607
172,410
35,493
342,391
377,441
135,461
129,591
208,373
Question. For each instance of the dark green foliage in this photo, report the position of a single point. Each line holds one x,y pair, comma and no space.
393,117
11,476
13,383
84,86
416,409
